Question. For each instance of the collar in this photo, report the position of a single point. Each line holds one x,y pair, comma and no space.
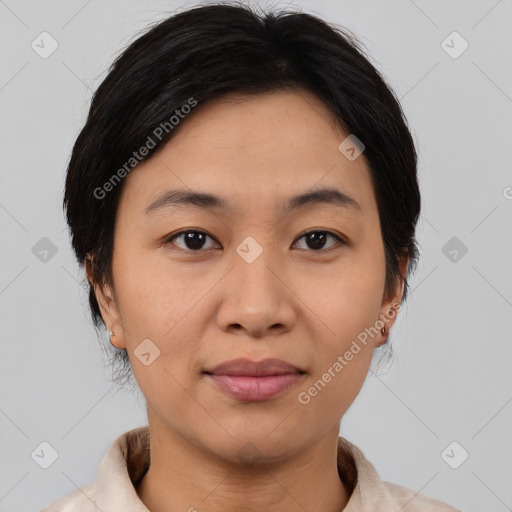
128,459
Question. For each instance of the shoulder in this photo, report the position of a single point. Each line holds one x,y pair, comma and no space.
125,461
371,493
81,500
411,501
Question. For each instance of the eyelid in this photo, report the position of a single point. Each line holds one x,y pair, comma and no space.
339,238
168,239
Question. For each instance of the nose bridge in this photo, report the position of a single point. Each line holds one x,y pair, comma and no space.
253,262
256,296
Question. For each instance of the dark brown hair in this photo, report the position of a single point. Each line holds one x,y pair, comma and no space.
211,50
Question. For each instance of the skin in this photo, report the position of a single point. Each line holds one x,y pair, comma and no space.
205,306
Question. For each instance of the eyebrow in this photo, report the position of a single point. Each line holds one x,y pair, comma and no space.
206,200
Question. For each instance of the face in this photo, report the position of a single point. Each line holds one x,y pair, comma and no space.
256,277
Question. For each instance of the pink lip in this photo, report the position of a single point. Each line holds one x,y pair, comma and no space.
246,367
255,388
249,380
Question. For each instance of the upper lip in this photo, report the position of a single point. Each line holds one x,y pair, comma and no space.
244,366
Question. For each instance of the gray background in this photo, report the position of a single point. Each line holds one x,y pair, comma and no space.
451,378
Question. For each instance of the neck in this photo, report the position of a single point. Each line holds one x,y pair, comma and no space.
184,477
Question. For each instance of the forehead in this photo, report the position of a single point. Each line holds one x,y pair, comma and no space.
257,151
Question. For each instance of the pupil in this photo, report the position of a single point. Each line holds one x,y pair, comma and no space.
195,240
192,240
317,238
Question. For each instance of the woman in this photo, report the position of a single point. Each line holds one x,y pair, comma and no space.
244,199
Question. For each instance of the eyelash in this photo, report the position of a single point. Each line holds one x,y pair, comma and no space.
340,241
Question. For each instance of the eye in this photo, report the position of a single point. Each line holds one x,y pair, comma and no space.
316,239
194,240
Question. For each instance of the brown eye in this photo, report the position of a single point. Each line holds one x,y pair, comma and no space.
193,240
316,240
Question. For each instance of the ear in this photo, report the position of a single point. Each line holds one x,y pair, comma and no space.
108,307
392,304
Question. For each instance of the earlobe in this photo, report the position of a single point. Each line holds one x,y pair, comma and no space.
391,307
107,305
111,317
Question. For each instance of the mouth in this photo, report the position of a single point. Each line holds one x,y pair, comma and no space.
246,367
248,380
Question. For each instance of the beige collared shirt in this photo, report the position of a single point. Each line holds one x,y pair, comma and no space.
127,460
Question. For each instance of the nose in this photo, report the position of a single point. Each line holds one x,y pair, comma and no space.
257,300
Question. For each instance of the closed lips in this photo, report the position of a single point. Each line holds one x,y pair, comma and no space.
248,368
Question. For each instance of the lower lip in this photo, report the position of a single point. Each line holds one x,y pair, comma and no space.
244,387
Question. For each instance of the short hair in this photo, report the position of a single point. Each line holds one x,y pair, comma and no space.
204,53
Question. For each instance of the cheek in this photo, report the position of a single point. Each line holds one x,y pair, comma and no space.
341,367
159,302
348,307
152,294
333,387
345,299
